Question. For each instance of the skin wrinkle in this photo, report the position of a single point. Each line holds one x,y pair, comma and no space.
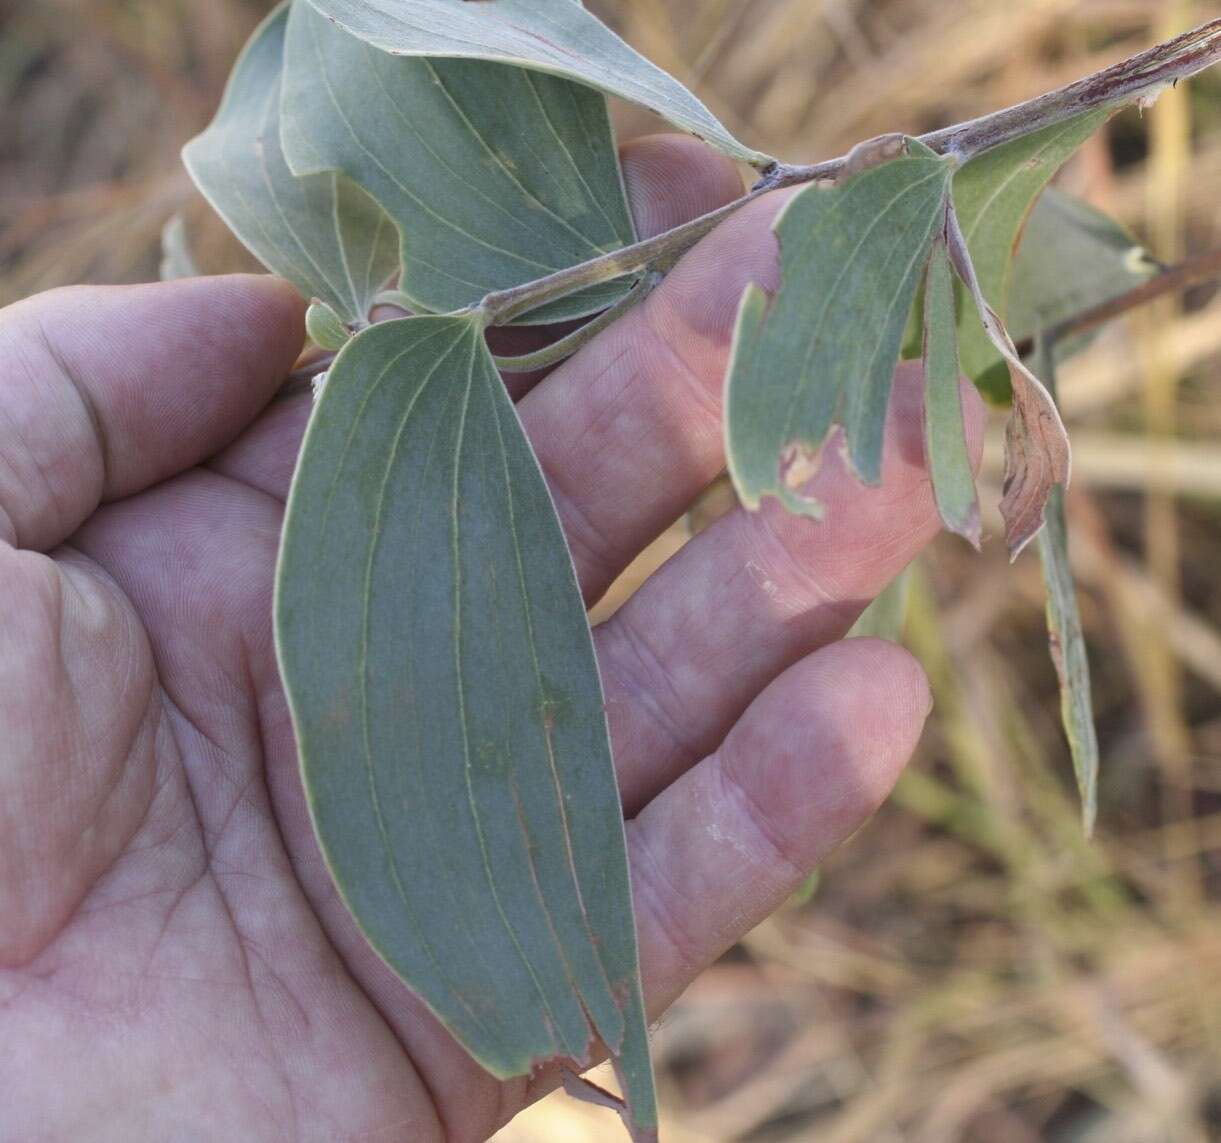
638,687
649,874
52,493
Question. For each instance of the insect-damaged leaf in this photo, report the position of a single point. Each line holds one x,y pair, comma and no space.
441,674
993,195
823,350
495,175
555,36
1037,456
945,438
323,234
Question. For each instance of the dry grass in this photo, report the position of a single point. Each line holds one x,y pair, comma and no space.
968,968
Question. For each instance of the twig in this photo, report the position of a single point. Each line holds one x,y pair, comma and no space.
502,307
1139,77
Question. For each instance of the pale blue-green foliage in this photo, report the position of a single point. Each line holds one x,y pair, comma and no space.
993,195
823,350
494,175
554,36
439,665
432,636
1072,257
323,234
945,443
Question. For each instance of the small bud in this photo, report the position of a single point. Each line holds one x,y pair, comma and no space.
1146,101
325,327
873,153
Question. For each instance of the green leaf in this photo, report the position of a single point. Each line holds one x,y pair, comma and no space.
325,328
1072,257
993,195
1067,642
823,351
886,616
944,431
495,175
322,233
441,674
555,36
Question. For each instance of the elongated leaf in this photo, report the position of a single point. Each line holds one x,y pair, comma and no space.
441,674
554,36
1072,257
323,234
823,351
993,195
494,175
1037,456
944,431
1067,640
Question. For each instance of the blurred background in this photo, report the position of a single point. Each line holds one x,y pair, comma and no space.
968,967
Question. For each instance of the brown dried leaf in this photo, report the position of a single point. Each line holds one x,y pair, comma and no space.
1037,454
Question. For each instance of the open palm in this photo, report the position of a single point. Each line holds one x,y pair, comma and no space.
174,962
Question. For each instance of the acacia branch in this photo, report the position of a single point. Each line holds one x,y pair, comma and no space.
1140,76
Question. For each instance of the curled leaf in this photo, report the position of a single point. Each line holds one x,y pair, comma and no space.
1037,455
993,196
945,441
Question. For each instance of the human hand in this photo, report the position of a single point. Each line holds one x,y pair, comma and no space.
174,962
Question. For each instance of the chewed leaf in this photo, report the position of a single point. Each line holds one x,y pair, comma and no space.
993,196
1037,456
1072,257
494,175
944,431
454,748
555,36
323,234
823,352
